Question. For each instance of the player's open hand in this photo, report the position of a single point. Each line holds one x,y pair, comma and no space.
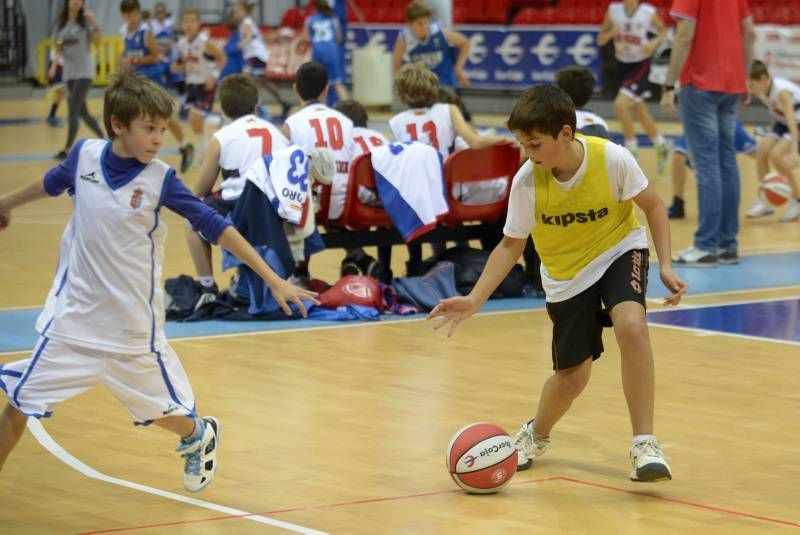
453,310
284,293
674,284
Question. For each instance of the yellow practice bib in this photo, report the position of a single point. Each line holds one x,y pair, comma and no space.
576,226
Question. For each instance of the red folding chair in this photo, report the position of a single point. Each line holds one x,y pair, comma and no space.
357,215
474,165
321,217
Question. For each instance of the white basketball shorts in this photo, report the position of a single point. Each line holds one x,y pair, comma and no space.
150,386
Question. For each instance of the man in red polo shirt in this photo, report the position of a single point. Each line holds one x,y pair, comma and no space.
712,50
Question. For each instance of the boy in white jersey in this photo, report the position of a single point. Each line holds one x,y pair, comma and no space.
231,151
433,123
779,148
578,83
317,125
364,140
628,24
196,60
103,320
576,196
428,121
255,51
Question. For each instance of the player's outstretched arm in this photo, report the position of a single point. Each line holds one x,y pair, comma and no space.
32,192
456,309
653,207
283,292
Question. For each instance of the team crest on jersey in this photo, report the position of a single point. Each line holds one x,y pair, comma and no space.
136,198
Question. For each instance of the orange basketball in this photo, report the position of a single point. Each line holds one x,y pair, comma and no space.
481,458
775,190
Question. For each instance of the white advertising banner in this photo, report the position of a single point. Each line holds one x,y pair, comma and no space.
779,48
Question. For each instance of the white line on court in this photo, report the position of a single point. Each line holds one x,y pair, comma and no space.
53,447
706,332
729,303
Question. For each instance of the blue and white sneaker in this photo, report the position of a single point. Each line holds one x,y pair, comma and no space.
201,457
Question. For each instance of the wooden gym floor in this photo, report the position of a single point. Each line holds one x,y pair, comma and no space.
344,429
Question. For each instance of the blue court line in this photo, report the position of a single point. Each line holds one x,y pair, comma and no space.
16,121
777,320
17,326
754,272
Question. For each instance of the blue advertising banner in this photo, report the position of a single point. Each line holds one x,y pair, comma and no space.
505,57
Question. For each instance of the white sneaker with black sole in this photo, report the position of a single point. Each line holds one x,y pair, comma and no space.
694,257
528,445
759,209
792,212
648,462
201,457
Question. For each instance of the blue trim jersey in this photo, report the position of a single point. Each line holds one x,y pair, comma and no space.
107,290
136,47
324,48
435,52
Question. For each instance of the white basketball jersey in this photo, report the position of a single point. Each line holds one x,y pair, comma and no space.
256,47
779,85
629,44
107,292
432,126
366,139
241,143
317,125
199,67
587,118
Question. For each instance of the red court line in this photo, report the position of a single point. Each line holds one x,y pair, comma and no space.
682,502
301,508
453,491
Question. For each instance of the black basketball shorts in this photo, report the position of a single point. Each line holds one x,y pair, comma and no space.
578,322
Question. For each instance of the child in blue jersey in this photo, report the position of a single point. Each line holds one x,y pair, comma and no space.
103,320
163,28
742,142
427,42
141,55
234,55
325,34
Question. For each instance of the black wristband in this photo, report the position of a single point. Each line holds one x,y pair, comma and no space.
666,87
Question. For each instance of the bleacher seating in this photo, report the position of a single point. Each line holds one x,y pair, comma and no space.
555,11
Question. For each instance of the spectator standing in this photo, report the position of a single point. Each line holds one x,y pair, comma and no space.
73,36
713,45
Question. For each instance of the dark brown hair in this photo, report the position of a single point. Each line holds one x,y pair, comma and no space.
542,108
354,111
323,7
417,10
758,70
126,6
577,82
311,80
238,95
130,96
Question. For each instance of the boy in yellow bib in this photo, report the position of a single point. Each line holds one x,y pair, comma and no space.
575,196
